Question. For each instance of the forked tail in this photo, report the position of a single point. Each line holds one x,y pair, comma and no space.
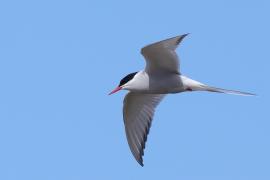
220,90
192,85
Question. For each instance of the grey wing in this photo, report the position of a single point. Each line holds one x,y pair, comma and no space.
161,56
138,112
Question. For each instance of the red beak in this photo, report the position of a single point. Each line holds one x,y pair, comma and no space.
115,90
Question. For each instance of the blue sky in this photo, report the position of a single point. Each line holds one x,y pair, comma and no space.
59,60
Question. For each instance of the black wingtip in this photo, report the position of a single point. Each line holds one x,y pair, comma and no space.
182,37
185,34
141,163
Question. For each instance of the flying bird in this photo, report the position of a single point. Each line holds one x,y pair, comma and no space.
148,87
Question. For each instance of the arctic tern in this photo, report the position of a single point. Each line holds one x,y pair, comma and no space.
148,87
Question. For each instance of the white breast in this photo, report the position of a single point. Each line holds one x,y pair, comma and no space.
140,83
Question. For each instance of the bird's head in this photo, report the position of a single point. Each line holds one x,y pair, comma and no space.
124,82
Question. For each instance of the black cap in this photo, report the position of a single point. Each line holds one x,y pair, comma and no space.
127,78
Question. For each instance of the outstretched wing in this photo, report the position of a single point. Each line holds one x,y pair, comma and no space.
138,112
161,56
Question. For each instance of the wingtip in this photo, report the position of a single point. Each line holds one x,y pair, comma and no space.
141,163
186,34
181,37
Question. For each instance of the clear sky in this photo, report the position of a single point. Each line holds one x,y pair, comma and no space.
60,59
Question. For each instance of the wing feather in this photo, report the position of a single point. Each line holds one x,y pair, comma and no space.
161,56
138,112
